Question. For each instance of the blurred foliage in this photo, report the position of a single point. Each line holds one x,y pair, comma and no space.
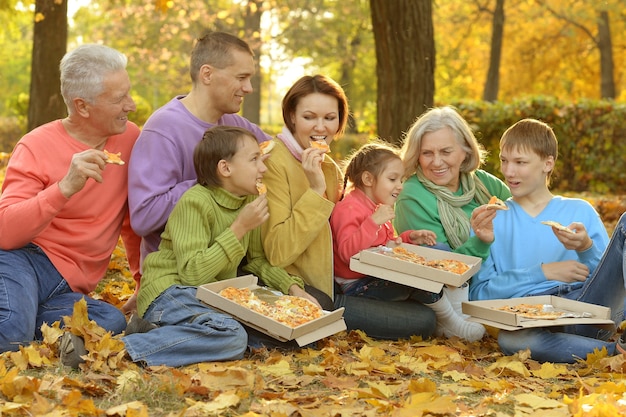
590,133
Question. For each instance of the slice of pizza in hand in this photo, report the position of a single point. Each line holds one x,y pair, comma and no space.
320,144
497,204
558,226
260,187
114,158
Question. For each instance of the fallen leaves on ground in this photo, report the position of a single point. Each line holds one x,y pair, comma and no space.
346,375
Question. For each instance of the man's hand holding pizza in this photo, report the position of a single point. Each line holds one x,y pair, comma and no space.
84,165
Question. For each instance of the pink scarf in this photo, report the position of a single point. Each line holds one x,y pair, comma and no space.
291,143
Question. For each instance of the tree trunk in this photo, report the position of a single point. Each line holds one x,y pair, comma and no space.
346,79
492,84
607,83
405,63
252,26
49,46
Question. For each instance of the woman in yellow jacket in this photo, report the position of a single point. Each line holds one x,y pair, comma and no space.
303,185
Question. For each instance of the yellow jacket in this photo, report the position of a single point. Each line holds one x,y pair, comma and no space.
297,236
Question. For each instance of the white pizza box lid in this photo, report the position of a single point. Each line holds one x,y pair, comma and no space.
332,322
373,262
485,312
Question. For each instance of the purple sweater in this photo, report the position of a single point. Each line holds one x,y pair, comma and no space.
161,167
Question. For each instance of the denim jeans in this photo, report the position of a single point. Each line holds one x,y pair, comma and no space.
32,292
189,332
605,286
381,289
387,319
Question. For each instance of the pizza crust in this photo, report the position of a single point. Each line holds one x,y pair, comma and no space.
114,158
557,225
320,144
267,146
533,311
261,188
497,204
448,265
289,310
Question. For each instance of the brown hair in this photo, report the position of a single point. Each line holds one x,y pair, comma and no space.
218,142
315,84
531,135
214,48
371,157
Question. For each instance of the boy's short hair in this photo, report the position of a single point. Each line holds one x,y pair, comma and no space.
531,135
534,136
218,142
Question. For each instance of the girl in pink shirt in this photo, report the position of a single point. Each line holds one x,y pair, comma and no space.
362,219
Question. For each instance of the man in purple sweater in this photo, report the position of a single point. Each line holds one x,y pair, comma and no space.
161,165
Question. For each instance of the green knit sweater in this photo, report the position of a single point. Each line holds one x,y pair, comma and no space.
198,247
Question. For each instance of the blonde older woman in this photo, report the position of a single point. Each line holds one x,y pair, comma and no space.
445,187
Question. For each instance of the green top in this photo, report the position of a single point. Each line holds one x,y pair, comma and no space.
198,247
416,208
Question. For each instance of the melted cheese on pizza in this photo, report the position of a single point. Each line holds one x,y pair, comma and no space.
287,309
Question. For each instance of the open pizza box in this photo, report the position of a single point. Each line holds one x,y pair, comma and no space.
486,312
375,263
327,325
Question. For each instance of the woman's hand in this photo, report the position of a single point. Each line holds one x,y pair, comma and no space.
481,223
299,292
578,241
565,271
251,216
423,237
312,164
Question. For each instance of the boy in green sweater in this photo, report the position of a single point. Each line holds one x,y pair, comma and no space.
212,228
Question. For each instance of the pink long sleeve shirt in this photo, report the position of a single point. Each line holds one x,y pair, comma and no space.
354,230
77,234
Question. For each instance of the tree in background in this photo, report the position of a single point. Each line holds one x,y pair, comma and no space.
336,38
405,63
492,83
583,19
49,46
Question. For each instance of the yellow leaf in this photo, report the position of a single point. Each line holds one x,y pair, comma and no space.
549,370
313,369
133,408
278,369
536,401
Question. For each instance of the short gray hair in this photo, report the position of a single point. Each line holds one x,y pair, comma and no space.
83,71
433,120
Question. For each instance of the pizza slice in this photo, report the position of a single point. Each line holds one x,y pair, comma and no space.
320,144
534,311
267,146
114,158
558,226
497,204
261,188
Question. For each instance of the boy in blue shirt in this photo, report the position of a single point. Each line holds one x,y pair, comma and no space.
531,258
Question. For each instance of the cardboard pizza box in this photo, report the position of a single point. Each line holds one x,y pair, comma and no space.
485,312
373,262
331,323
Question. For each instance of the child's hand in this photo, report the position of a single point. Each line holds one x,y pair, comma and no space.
251,216
423,237
299,292
383,214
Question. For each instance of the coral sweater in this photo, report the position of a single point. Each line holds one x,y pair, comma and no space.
77,234
354,230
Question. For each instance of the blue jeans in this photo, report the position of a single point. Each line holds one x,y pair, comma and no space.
387,319
189,332
605,286
32,292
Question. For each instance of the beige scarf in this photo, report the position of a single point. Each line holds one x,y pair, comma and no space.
455,222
